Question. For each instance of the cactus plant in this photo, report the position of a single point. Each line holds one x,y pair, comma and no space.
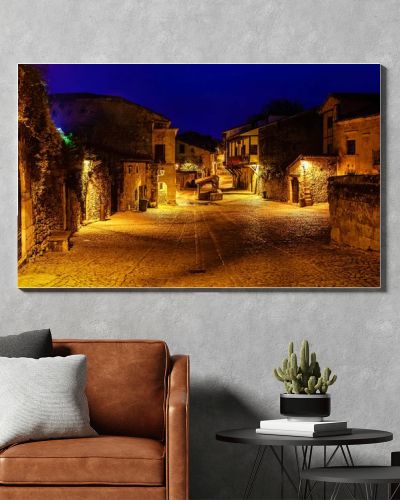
305,377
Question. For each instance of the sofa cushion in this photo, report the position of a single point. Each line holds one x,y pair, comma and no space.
33,344
126,386
103,460
43,399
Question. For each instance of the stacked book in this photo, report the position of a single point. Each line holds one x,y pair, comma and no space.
303,428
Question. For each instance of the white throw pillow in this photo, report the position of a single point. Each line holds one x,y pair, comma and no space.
43,399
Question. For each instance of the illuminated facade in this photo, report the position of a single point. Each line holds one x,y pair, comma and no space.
163,150
242,155
192,162
351,130
307,179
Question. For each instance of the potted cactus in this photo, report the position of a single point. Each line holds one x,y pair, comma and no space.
306,386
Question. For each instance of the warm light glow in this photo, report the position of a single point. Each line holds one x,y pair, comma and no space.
305,165
87,165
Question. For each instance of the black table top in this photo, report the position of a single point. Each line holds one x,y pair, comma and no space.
249,436
353,475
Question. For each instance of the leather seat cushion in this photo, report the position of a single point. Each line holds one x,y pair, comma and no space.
103,460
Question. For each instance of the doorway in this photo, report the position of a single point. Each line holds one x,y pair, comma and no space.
295,190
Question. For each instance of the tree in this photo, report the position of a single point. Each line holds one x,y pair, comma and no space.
34,121
200,140
278,107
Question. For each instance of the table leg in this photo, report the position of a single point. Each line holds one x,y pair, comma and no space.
282,495
253,474
390,494
335,491
324,466
284,470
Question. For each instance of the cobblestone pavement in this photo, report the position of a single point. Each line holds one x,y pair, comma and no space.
241,241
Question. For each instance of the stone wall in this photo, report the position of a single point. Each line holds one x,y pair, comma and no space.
354,206
312,174
98,192
47,187
74,211
275,187
26,228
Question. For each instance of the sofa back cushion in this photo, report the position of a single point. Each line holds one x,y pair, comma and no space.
126,384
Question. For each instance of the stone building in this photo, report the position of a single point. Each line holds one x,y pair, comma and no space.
281,143
242,155
307,179
125,151
163,141
351,130
193,162
42,171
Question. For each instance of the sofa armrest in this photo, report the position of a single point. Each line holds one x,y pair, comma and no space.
177,431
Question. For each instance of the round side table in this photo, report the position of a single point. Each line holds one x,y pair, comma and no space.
370,477
303,451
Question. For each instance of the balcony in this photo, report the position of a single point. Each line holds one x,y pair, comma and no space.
238,161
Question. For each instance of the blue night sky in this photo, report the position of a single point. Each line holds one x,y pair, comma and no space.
210,98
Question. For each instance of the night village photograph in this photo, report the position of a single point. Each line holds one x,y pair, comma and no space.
199,176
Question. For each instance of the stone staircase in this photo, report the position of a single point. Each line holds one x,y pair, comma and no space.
306,195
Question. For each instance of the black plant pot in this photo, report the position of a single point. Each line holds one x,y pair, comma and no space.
305,406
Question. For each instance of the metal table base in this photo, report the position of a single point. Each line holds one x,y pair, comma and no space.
303,462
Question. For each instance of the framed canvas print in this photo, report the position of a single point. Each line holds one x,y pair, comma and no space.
199,176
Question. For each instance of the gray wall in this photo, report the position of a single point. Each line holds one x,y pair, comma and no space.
234,338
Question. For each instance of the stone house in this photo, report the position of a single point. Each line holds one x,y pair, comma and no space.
307,179
351,130
282,143
192,162
163,149
357,145
242,155
116,138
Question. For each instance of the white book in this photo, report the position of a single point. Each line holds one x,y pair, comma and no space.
311,434
303,425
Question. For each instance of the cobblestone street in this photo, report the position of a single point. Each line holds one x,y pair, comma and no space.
241,241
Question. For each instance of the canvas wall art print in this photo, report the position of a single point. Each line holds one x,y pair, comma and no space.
199,176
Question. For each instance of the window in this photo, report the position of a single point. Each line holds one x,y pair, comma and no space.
329,122
351,147
329,148
181,149
253,149
159,153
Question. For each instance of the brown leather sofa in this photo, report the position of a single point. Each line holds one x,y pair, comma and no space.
139,400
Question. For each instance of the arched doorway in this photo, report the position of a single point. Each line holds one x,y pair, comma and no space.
294,190
162,193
